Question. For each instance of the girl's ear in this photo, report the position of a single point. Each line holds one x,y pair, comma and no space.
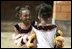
20,18
19,15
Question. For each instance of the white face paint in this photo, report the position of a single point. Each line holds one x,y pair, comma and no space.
25,16
24,12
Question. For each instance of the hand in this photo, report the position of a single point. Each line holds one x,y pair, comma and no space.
59,42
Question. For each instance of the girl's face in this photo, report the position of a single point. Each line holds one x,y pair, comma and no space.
25,15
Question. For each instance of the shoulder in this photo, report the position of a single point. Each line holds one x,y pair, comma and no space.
16,28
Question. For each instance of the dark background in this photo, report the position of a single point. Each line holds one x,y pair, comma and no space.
8,9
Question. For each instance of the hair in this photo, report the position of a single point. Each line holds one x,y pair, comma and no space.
19,10
49,3
44,11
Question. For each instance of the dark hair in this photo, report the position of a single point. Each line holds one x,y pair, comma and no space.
49,3
18,9
44,10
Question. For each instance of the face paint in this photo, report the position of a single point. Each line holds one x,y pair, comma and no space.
25,16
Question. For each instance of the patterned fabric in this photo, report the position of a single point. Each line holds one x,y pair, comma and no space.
25,39
39,38
22,30
45,38
49,38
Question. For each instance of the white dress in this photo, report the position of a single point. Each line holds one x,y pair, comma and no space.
45,38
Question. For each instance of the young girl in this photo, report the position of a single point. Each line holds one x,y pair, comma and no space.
45,30
24,35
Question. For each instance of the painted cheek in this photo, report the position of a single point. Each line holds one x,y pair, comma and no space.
28,17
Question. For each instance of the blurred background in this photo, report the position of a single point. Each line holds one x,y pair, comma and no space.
8,19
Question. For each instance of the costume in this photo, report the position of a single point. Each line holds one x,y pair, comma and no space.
25,38
45,38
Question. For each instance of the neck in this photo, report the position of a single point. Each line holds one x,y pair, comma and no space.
43,23
26,26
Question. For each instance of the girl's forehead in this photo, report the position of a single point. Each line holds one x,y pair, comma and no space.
25,11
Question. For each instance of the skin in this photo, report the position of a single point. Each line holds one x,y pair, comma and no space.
44,22
25,18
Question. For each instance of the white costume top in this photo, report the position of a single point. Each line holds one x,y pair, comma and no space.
45,38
